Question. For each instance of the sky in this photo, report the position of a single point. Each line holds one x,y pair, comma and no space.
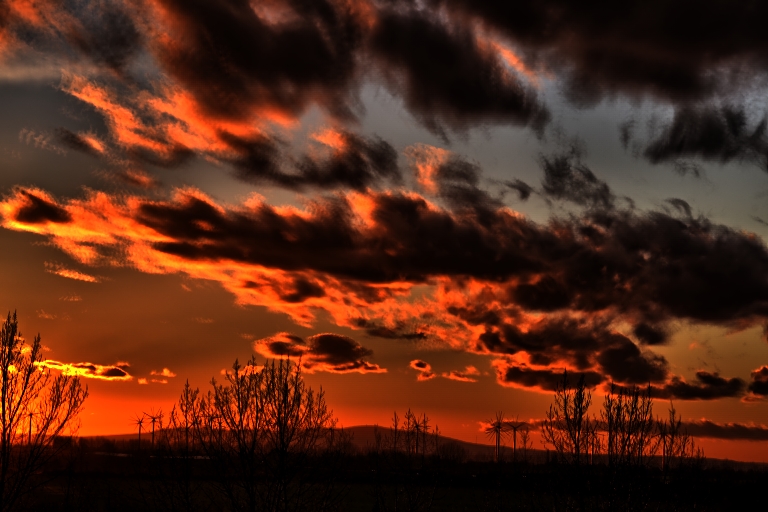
438,205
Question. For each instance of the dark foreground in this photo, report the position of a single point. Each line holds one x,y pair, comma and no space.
112,477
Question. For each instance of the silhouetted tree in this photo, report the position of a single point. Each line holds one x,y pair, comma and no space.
32,397
273,436
627,417
567,427
677,445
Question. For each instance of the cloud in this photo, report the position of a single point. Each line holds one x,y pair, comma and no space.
424,369
466,375
680,59
711,133
88,143
544,379
350,161
709,386
729,431
36,207
60,270
165,372
396,264
759,385
566,178
326,352
453,179
116,372
234,59
447,78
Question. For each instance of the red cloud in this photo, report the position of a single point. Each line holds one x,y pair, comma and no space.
424,369
466,375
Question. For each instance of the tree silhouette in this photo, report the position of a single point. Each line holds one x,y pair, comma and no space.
627,417
567,426
267,433
29,392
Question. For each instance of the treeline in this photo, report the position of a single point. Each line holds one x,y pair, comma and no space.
261,440
625,434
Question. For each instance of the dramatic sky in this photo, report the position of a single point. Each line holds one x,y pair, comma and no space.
435,204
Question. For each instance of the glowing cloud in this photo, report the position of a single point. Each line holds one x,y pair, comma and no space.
60,270
165,372
424,369
116,372
466,375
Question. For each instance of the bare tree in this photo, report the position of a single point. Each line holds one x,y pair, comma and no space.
525,441
677,445
627,417
30,393
273,437
567,426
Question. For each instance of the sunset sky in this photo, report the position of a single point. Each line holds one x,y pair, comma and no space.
435,204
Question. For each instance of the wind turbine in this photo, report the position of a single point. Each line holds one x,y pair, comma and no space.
514,427
154,417
139,421
496,429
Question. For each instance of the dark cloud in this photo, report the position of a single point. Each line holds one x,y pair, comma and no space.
715,134
447,80
302,289
759,384
401,331
624,362
709,386
588,346
358,163
678,51
409,241
74,141
234,59
327,352
729,431
458,184
114,372
546,294
37,210
566,178
523,189
545,379
649,334
108,33
651,267
681,206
